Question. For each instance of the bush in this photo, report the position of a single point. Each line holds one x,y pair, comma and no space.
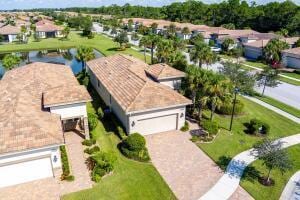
89,142
93,121
102,163
185,127
100,113
65,165
134,147
92,150
211,127
256,126
120,130
226,109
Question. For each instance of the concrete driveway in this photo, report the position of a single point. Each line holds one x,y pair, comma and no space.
188,171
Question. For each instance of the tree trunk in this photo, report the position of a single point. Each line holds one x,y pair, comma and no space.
212,112
82,65
200,64
200,111
152,49
268,177
194,101
263,92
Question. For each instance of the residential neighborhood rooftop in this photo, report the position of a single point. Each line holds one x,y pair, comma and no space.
47,26
163,71
24,122
125,79
9,29
295,51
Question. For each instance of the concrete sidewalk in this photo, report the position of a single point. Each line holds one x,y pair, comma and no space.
292,188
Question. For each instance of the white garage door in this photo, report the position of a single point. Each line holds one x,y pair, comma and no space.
157,124
25,171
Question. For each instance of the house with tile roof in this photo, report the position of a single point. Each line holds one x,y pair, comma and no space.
47,29
291,58
141,103
10,33
38,103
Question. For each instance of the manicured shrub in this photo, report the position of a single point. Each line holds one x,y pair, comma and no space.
65,165
102,163
119,129
226,109
93,121
186,127
89,142
256,126
134,147
100,113
211,127
92,150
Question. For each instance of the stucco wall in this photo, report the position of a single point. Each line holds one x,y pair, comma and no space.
172,83
70,111
252,52
53,151
292,61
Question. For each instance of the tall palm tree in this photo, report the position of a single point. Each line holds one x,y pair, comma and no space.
85,54
165,51
145,42
202,53
151,41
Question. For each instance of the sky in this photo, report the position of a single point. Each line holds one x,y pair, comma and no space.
27,4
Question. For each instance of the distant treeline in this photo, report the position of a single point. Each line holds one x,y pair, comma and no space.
273,16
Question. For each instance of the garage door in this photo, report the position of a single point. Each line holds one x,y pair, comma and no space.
25,171
157,124
293,62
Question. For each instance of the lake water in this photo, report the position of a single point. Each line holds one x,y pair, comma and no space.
65,57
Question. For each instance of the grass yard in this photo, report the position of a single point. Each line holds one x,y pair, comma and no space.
290,81
280,105
293,75
255,64
260,192
130,179
103,44
227,145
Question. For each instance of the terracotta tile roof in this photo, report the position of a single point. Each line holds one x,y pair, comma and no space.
163,71
125,79
295,51
291,40
47,26
24,124
235,33
257,44
260,36
65,94
8,29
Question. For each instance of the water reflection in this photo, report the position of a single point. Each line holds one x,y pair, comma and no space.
59,56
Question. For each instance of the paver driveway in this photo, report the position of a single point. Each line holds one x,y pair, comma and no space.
188,171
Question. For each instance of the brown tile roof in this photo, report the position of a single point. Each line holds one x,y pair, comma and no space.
47,26
291,40
260,36
257,44
24,124
163,71
235,33
295,51
125,79
65,94
8,29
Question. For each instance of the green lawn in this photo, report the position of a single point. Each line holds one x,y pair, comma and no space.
227,144
260,192
280,105
255,64
290,81
293,75
130,179
103,44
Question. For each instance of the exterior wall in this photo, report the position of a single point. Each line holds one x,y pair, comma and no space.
292,61
70,111
252,52
172,83
51,151
12,38
156,113
58,34
41,34
109,100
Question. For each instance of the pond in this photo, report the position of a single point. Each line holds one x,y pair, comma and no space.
59,56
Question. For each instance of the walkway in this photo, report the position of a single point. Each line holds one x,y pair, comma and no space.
187,170
292,188
275,109
227,185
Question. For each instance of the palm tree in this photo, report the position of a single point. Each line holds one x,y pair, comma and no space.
66,32
10,61
154,27
151,41
145,42
164,51
226,44
185,31
171,30
272,51
202,53
84,54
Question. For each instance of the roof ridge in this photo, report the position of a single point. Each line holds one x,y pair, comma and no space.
138,94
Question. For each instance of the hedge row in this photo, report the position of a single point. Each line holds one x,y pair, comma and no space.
65,165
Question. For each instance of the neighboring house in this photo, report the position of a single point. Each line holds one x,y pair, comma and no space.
164,74
141,104
47,29
254,50
10,33
291,58
252,37
38,102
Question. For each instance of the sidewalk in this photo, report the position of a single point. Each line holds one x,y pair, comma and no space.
292,188
229,182
275,109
